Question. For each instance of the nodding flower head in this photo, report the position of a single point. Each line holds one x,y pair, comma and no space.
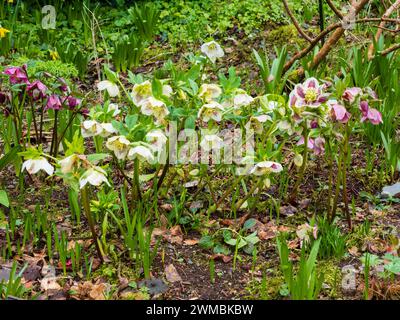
37,90
63,85
141,91
3,31
72,102
54,102
17,74
370,114
212,110
339,113
266,167
209,92
317,145
351,94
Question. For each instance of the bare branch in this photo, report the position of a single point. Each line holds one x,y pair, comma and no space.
328,45
334,38
334,9
389,11
391,49
295,22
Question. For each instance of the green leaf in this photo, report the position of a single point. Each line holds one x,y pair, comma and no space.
146,177
76,145
9,157
4,199
111,75
206,242
156,87
96,157
250,223
120,127
252,238
190,122
221,249
131,120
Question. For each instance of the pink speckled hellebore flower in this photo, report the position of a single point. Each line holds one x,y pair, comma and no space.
316,145
54,102
339,113
310,94
350,94
37,90
371,114
17,74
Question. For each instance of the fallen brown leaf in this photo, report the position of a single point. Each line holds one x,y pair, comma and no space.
172,274
191,242
222,257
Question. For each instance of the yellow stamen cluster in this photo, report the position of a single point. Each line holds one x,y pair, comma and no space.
311,95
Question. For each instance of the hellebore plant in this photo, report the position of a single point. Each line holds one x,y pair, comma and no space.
32,99
78,170
307,103
316,119
141,134
356,101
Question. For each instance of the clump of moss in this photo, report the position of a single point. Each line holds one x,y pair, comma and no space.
284,35
332,277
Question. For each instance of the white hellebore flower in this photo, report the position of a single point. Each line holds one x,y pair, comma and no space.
212,50
167,90
113,107
266,167
111,88
141,91
95,176
141,153
241,100
211,142
208,92
257,122
157,139
157,108
91,128
35,165
67,165
268,105
108,130
285,125
119,145
212,110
